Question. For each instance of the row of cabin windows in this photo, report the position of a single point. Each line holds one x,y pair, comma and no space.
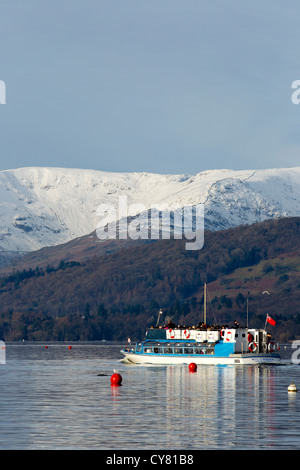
175,350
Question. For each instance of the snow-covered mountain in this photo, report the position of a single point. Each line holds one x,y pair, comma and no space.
48,206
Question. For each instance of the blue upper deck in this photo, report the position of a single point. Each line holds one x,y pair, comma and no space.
185,348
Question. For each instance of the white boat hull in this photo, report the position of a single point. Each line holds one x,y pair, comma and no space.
232,359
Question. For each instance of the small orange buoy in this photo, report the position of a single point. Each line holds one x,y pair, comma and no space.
116,378
193,367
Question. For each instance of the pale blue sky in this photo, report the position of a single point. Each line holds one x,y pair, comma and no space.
167,86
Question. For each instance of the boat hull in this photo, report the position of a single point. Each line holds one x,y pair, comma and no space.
232,359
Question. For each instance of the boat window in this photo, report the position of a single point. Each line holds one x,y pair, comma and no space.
139,347
157,350
199,350
188,350
168,350
178,350
148,349
210,351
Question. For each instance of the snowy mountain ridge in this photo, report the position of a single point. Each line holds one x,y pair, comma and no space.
47,206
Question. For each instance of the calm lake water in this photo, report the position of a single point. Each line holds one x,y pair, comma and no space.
53,398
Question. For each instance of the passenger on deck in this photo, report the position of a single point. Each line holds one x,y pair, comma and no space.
170,324
268,340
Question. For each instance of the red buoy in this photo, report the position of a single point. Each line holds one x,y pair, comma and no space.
70,347
46,347
193,367
116,379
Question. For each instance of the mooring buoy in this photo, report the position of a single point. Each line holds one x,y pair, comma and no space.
292,387
116,378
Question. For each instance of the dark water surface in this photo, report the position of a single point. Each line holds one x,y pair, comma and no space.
54,398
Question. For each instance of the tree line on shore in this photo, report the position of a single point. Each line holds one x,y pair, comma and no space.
118,295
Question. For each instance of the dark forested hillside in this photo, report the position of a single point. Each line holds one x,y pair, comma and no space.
118,294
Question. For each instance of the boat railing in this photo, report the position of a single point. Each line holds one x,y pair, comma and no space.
172,348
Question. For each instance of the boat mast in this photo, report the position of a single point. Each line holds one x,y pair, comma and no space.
159,314
204,320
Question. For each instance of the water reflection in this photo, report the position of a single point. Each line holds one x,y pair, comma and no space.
222,406
55,398
218,407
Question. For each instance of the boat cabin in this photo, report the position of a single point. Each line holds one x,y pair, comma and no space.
204,341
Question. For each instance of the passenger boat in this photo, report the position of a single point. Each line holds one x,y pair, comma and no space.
204,345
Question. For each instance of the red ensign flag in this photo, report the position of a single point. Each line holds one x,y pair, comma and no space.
270,320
